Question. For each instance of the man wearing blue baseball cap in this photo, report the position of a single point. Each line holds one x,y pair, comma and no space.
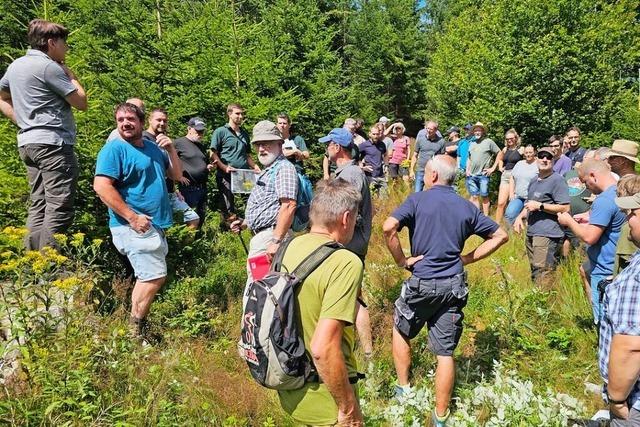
340,150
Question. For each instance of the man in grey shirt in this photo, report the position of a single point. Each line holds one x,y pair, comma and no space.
340,144
37,93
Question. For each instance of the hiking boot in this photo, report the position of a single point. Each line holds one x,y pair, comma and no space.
139,330
440,421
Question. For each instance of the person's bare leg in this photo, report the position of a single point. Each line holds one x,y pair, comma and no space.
503,199
363,326
445,378
401,348
586,284
193,223
143,295
475,201
485,205
566,248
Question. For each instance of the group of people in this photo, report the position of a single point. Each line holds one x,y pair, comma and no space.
566,195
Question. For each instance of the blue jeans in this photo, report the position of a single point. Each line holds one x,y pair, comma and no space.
196,197
419,184
513,209
478,185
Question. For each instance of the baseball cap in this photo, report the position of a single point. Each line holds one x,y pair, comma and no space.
453,129
340,136
629,202
384,119
546,150
266,130
468,126
197,123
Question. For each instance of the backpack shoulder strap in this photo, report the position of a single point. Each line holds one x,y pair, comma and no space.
313,260
276,264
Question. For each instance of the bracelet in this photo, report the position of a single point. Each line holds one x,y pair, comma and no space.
616,402
276,241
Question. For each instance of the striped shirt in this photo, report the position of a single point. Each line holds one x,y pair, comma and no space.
621,317
278,181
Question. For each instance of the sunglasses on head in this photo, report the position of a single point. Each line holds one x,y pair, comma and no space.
545,155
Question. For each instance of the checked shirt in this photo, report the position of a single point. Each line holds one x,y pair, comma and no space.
278,181
621,316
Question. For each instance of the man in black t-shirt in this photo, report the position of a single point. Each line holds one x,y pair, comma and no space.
195,167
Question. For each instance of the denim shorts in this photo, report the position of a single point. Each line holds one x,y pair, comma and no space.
146,251
478,185
178,205
437,303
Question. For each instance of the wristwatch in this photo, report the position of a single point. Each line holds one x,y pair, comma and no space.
541,206
616,402
276,241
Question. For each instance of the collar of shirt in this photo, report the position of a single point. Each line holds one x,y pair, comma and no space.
36,52
339,168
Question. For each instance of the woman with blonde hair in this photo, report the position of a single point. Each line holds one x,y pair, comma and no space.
511,154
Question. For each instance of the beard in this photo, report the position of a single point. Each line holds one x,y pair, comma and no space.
267,158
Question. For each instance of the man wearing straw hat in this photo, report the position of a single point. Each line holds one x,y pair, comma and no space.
480,167
623,158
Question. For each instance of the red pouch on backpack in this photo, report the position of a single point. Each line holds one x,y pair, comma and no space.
259,266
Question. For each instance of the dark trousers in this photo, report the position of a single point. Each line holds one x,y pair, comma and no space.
196,197
52,171
226,200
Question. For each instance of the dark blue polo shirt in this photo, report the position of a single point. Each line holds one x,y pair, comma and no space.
439,223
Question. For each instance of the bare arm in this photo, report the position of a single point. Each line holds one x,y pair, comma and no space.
588,233
486,248
77,99
286,212
512,188
174,171
414,159
390,230
326,349
624,368
104,188
500,159
534,205
325,167
6,106
252,164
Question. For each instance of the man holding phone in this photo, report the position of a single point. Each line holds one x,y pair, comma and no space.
37,93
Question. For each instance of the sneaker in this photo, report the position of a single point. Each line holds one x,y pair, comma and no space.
401,390
440,421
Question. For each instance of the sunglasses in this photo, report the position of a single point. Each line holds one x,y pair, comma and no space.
545,156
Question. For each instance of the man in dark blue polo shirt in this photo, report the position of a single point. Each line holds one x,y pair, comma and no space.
373,157
439,223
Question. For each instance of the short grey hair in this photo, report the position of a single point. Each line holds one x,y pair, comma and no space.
446,168
331,200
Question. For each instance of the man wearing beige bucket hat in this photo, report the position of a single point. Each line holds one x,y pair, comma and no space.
623,158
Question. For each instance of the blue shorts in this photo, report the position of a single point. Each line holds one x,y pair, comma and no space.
478,185
146,251
178,205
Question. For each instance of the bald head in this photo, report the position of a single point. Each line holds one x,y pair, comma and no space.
440,170
594,166
596,175
137,102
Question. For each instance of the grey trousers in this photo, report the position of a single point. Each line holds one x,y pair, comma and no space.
52,171
632,421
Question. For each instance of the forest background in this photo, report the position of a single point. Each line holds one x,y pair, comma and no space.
538,66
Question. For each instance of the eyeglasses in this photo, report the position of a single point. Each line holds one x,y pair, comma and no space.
545,156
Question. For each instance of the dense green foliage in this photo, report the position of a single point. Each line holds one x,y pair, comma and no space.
539,66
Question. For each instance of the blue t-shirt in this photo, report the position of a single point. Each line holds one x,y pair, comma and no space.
605,213
463,150
373,155
439,223
139,174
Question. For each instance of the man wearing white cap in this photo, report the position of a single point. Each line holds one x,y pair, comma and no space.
480,166
619,343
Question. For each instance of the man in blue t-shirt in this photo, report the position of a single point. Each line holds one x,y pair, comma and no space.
602,231
439,223
130,180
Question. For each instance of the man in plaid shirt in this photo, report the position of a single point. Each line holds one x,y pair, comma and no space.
272,202
619,346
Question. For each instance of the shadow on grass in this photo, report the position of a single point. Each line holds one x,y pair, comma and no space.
476,360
